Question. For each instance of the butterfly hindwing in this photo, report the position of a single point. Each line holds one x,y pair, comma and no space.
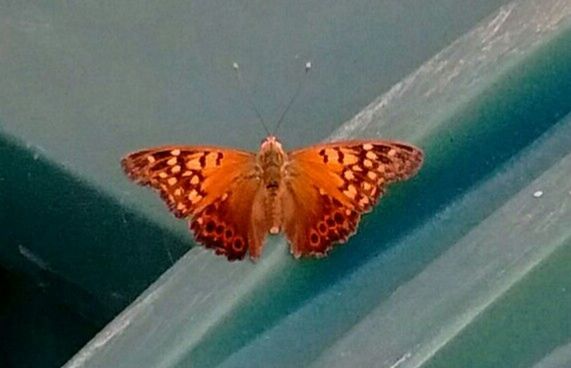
329,186
314,220
232,224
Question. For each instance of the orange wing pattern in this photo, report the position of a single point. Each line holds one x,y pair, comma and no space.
213,186
329,186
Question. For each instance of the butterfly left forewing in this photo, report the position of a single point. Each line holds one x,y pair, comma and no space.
331,185
214,187
188,178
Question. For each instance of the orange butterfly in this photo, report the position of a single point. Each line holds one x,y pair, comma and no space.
233,198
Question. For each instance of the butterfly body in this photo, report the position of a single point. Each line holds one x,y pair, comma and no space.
271,162
234,198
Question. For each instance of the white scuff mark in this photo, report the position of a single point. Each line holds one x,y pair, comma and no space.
366,116
495,25
402,359
34,258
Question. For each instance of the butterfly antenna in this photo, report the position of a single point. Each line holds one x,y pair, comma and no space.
291,101
249,97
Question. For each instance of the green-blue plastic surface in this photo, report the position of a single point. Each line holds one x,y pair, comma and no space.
85,83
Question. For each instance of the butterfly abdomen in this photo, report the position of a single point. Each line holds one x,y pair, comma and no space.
272,179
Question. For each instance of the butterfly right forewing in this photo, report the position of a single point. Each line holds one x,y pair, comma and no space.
331,185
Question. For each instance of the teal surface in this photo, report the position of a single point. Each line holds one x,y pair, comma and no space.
507,333
463,266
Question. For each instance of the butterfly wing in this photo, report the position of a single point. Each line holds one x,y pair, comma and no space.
329,186
214,187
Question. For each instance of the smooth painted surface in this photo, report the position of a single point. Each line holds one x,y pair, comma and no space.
436,254
82,83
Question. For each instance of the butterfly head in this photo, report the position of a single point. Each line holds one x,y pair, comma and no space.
271,143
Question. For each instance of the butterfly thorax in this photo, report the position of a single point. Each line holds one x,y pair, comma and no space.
271,160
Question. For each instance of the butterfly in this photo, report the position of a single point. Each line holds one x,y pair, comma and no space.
233,199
